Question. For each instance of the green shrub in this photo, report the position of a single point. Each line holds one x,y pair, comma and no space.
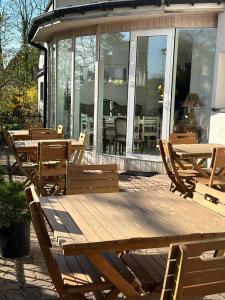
13,208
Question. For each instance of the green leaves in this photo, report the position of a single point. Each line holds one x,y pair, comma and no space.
13,208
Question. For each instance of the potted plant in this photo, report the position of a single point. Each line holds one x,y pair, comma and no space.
14,219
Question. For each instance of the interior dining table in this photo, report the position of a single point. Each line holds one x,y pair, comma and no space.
194,152
92,224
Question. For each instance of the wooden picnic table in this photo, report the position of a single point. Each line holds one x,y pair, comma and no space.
192,152
95,223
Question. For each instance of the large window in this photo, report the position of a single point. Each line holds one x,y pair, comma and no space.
113,92
84,84
194,77
63,94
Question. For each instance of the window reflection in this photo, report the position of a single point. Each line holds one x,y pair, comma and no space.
113,92
85,53
194,76
63,104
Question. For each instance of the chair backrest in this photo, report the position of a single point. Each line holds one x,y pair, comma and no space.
86,179
44,241
60,129
5,136
218,163
59,151
169,161
183,138
120,126
190,274
44,134
33,125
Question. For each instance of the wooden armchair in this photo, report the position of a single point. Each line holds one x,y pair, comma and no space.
216,178
53,158
86,179
181,179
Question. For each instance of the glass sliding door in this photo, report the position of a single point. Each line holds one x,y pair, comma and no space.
84,84
149,86
193,81
113,93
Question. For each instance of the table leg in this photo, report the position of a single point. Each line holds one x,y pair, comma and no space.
198,168
112,275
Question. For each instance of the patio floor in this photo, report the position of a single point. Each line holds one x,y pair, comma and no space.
27,277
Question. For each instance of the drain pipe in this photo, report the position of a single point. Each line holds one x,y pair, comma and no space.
45,77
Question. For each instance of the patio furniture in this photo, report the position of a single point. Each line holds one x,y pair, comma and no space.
183,138
216,177
75,275
86,179
78,154
181,179
93,224
27,168
60,129
44,134
192,152
190,274
210,198
53,158
33,125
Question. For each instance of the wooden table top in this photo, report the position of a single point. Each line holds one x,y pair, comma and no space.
94,223
19,132
31,145
185,151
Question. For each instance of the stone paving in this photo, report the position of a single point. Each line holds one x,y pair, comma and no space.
27,277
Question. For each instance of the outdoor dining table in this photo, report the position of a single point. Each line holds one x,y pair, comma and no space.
192,152
91,224
31,146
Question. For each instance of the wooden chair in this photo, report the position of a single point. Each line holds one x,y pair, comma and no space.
86,179
183,138
78,154
44,134
192,274
60,129
33,125
181,180
72,276
26,168
216,178
53,158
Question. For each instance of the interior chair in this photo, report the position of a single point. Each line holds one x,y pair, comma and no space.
120,136
87,126
53,158
181,180
86,179
183,138
150,129
190,273
44,134
73,276
217,170
108,134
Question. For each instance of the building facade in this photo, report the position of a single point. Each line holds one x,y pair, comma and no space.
131,72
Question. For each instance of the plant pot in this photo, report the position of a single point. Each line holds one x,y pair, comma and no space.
15,240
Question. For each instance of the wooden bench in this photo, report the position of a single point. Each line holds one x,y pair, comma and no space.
191,273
